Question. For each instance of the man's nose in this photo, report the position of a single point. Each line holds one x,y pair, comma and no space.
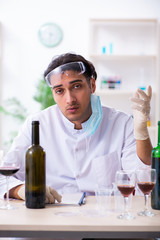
70,97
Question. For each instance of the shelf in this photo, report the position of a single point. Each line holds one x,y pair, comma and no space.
126,49
113,92
121,57
118,20
116,91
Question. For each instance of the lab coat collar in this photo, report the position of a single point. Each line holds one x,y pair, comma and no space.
70,126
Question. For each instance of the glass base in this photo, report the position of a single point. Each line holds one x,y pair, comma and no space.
146,213
7,207
127,216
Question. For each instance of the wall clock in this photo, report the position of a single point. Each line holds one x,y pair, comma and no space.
50,34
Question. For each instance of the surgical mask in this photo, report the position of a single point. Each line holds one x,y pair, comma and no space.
96,117
93,122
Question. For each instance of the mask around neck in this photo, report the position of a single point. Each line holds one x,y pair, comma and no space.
96,117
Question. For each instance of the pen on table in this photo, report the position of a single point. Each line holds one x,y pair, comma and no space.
82,200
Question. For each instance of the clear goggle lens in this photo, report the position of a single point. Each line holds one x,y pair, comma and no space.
77,67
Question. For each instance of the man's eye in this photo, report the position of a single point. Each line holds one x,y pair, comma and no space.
77,86
59,91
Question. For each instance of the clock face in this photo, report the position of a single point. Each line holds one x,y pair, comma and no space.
50,34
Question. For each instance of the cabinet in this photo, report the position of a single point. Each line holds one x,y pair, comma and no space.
125,53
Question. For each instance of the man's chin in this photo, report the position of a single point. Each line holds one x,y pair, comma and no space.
73,117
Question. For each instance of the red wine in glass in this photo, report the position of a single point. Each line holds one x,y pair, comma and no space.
125,181
146,180
146,187
9,165
126,190
8,171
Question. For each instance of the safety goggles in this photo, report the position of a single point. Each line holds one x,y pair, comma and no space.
77,67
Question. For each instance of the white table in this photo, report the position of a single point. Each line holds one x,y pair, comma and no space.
45,223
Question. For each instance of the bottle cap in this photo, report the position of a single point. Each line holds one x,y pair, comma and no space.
35,122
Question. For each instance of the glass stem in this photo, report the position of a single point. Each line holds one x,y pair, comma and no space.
7,194
125,205
146,202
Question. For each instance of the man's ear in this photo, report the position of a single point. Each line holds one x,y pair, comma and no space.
93,85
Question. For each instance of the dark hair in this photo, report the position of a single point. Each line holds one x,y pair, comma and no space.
71,57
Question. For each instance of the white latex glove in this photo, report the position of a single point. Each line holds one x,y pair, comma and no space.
51,194
141,110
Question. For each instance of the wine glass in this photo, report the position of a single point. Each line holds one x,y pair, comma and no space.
9,165
125,181
146,180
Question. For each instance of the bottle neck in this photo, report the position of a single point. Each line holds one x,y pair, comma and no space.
35,133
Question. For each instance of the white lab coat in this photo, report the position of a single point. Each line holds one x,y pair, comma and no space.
75,163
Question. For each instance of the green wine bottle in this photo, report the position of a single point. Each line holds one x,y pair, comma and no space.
35,180
155,195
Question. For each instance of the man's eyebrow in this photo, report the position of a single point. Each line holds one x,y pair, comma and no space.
56,86
77,80
61,85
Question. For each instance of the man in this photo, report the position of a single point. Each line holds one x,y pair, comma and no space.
85,143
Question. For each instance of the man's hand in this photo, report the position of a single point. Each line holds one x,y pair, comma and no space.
141,111
51,194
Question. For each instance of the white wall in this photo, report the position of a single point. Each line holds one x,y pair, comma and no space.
24,58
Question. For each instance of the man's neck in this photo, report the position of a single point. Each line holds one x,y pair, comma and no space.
78,126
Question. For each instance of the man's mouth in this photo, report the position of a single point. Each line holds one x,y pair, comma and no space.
72,109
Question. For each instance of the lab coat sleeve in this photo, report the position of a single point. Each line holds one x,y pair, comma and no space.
21,142
129,157
12,183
